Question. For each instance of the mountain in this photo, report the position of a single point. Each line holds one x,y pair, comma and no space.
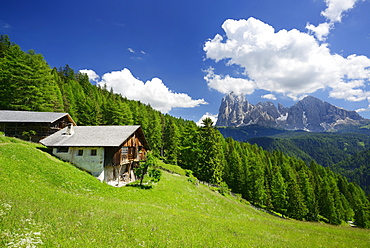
309,114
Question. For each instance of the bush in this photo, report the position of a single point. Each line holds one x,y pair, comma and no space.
188,173
155,175
224,189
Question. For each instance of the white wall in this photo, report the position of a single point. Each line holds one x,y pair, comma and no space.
88,162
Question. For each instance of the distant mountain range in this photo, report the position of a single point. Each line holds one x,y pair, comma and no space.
309,114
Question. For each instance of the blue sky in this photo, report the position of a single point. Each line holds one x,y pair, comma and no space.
183,56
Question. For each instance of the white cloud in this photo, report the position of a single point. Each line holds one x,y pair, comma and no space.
333,13
131,50
335,9
269,96
362,110
321,31
207,115
152,92
225,84
288,62
91,74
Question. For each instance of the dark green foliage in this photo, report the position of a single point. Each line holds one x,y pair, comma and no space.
356,168
245,133
288,186
155,174
209,164
345,153
278,191
28,134
323,148
171,140
26,80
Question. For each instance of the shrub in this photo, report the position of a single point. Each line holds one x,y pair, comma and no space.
155,175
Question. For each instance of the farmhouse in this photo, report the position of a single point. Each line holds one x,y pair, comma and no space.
32,126
107,152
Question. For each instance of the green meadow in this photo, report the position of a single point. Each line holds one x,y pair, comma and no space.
45,202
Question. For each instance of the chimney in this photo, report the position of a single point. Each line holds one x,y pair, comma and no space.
70,130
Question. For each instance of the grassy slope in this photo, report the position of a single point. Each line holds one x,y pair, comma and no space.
50,203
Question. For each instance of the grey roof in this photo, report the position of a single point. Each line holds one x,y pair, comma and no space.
88,136
29,116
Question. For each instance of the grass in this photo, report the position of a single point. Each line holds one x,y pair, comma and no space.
48,203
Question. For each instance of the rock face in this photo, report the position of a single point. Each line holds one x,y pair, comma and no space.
310,114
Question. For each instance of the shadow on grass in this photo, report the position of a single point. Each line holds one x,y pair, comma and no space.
45,149
140,186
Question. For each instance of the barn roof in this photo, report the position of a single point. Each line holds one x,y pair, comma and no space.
29,116
94,136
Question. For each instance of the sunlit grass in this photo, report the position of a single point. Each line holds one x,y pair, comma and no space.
48,203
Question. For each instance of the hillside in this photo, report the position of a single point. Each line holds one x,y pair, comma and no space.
356,168
245,133
324,148
49,203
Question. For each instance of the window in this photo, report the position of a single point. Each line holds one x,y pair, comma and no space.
62,149
93,152
80,152
125,150
124,153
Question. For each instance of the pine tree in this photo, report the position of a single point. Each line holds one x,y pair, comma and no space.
189,147
233,171
308,194
278,191
154,131
256,181
297,207
210,160
26,81
171,140
327,205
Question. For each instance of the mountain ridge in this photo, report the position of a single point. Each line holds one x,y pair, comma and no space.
309,114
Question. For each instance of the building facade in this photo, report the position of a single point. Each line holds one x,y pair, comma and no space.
32,126
108,152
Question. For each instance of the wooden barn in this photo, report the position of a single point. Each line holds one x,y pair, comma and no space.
32,126
107,152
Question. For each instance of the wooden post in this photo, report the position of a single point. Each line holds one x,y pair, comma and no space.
119,172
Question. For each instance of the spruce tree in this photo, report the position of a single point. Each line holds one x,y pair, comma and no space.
278,191
210,159
171,140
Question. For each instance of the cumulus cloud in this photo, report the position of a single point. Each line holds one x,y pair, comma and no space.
336,8
207,115
321,31
287,61
225,84
152,92
91,74
362,110
333,13
269,96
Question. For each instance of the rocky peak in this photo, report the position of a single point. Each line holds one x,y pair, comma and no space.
236,111
311,114
232,109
